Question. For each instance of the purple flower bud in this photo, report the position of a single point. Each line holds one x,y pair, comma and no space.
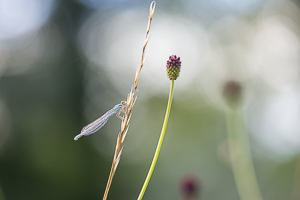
173,67
232,92
190,187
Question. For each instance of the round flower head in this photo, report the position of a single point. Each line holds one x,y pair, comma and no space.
232,92
190,187
173,67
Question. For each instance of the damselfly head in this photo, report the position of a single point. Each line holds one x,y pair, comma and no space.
123,103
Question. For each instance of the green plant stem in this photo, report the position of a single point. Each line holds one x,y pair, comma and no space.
162,134
240,156
296,182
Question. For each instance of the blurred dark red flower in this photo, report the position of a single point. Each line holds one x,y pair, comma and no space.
190,187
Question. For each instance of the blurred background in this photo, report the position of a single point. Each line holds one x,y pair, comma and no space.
65,63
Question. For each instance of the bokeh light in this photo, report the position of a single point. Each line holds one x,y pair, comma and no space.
117,41
274,122
18,17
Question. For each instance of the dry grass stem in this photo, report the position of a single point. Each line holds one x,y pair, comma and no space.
131,99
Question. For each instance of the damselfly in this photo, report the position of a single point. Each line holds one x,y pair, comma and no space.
101,121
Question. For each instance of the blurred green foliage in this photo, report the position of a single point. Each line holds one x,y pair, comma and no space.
45,109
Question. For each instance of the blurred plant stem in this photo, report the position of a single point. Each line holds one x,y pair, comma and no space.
296,183
162,134
240,156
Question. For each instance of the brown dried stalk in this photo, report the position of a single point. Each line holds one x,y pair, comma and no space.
131,99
